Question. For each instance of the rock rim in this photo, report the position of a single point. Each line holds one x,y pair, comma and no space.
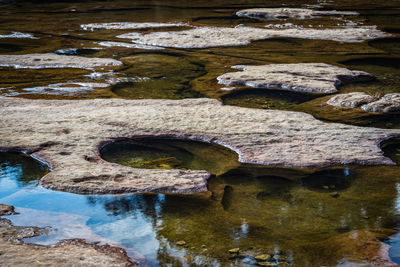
317,78
291,13
206,37
44,61
68,135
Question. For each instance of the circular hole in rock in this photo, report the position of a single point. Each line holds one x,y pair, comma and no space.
164,153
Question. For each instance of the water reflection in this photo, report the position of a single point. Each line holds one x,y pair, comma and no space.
284,213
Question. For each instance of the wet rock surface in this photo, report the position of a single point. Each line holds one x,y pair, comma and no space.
128,25
43,61
303,77
72,252
296,13
129,45
68,135
389,103
352,100
203,37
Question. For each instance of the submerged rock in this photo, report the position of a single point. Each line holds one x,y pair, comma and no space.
44,61
68,134
64,88
291,13
318,78
387,104
203,37
352,100
129,25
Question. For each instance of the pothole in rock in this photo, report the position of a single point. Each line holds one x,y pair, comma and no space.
163,153
391,149
166,77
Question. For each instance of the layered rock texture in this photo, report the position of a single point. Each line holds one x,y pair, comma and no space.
68,135
203,37
389,103
73,252
316,78
43,61
291,13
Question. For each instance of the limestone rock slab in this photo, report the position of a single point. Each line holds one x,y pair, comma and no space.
68,134
128,25
317,78
291,13
352,100
43,61
204,37
387,104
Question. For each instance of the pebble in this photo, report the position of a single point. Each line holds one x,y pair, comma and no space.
181,243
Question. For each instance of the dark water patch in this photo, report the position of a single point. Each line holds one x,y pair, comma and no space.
391,45
159,153
379,61
223,20
265,98
328,180
9,48
163,76
391,149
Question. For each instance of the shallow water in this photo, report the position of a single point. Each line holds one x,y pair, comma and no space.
294,213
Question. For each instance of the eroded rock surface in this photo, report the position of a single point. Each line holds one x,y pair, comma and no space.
303,77
42,61
73,252
291,13
68,134
352,100
388,103
128,25
203,37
